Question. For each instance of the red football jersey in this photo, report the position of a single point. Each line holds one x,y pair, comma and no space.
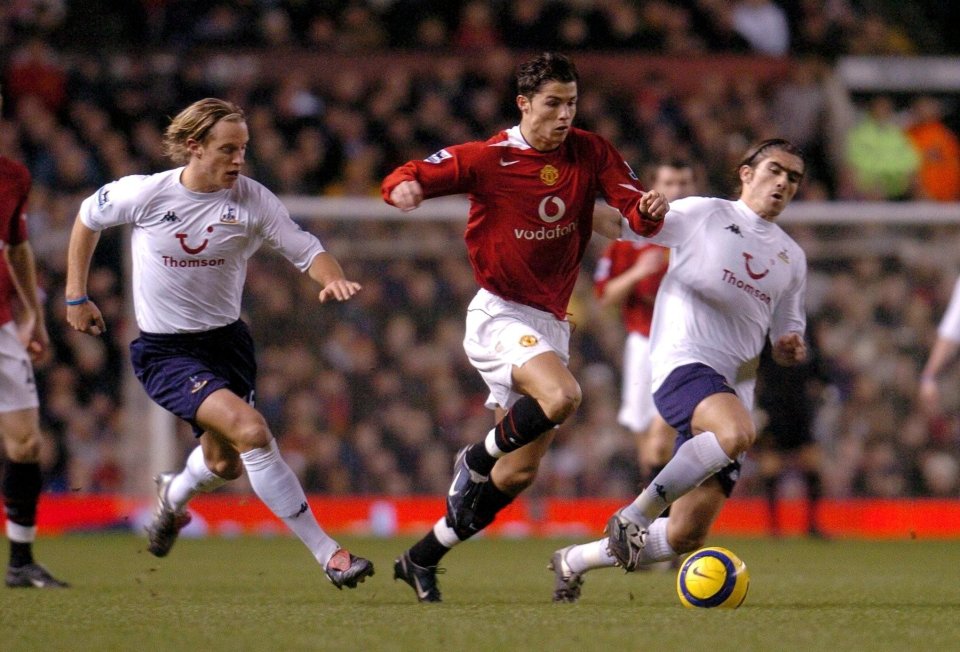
637,309
14,191
531,213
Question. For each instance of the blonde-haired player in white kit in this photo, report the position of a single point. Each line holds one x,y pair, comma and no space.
735,278
194,228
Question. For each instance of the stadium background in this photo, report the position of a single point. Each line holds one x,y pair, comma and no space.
372,398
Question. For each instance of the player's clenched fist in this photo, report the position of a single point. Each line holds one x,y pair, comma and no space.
790,350
653,205
86,318
407,195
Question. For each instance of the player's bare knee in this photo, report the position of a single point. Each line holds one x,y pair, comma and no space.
24,451
251,433
559,404
737,439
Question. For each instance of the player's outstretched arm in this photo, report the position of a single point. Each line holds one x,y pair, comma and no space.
789,350
325,270
82,313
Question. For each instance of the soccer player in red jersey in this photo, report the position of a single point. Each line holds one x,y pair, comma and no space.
628,275
19,405
532,190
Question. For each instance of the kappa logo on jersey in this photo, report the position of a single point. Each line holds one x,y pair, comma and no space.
438,157
230,217
182,237
733,228
756,276
170,217
102,196
784,257
549,174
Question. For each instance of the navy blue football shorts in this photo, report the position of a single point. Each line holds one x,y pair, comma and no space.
180,370
679,396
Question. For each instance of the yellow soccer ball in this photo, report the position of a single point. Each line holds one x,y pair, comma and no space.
713,577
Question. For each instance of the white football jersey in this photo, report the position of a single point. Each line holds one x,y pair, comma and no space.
733,277
190,249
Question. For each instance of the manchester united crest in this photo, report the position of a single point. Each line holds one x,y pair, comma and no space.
549,174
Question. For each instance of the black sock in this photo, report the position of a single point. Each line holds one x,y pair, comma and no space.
491,502
21,491
21,554
428,551
522,424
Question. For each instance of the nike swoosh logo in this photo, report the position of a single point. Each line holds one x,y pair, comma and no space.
506,163
696,571
453,485
419,589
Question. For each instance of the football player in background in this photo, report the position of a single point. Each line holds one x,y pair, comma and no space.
195,228
532,191
19,404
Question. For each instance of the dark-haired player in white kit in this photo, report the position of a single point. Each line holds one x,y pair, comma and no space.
19,404
194,228
532,191
735,279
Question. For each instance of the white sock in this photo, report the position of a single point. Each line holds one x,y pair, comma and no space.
278,487
445,534
656,547
591,555
696,460
195,478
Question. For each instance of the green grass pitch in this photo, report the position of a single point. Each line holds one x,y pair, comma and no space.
267,594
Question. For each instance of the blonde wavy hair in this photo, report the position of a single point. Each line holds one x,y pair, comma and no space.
196,121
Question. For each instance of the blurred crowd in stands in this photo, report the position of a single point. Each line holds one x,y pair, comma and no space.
376,395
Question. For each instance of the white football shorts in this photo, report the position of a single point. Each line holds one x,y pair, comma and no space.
501,335
636,402
18,390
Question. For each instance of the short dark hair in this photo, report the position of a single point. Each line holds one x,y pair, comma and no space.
544,68
755,153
